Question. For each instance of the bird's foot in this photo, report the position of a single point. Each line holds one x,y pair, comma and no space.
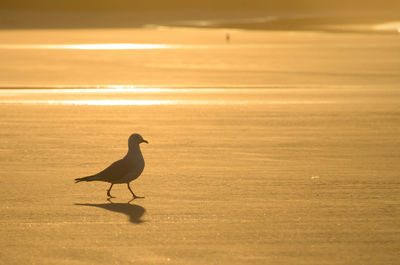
137,197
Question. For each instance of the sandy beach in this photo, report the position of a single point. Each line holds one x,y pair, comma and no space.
288,157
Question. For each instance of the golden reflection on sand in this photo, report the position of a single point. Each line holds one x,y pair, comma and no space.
133,102
126,89
122,95
95,102
118,89
96,46
114,102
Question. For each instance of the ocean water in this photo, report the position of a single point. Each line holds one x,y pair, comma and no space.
275,148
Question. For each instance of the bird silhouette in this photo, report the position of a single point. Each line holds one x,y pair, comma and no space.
124,170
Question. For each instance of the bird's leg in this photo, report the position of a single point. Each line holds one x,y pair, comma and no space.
134,196
108,191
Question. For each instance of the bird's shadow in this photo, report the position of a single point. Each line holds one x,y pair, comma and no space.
133,211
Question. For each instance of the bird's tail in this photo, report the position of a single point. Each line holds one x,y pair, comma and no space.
89,178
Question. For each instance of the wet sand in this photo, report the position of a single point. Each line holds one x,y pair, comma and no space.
224,184
199,58
281,148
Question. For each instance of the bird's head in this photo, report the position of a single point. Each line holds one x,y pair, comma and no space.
136,139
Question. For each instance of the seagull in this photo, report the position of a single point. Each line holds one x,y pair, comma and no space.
124,170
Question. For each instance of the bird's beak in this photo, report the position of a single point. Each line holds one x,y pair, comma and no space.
144,141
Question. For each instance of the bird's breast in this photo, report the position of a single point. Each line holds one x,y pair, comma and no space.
137,163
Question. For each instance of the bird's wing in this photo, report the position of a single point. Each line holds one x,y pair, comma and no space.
115,171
